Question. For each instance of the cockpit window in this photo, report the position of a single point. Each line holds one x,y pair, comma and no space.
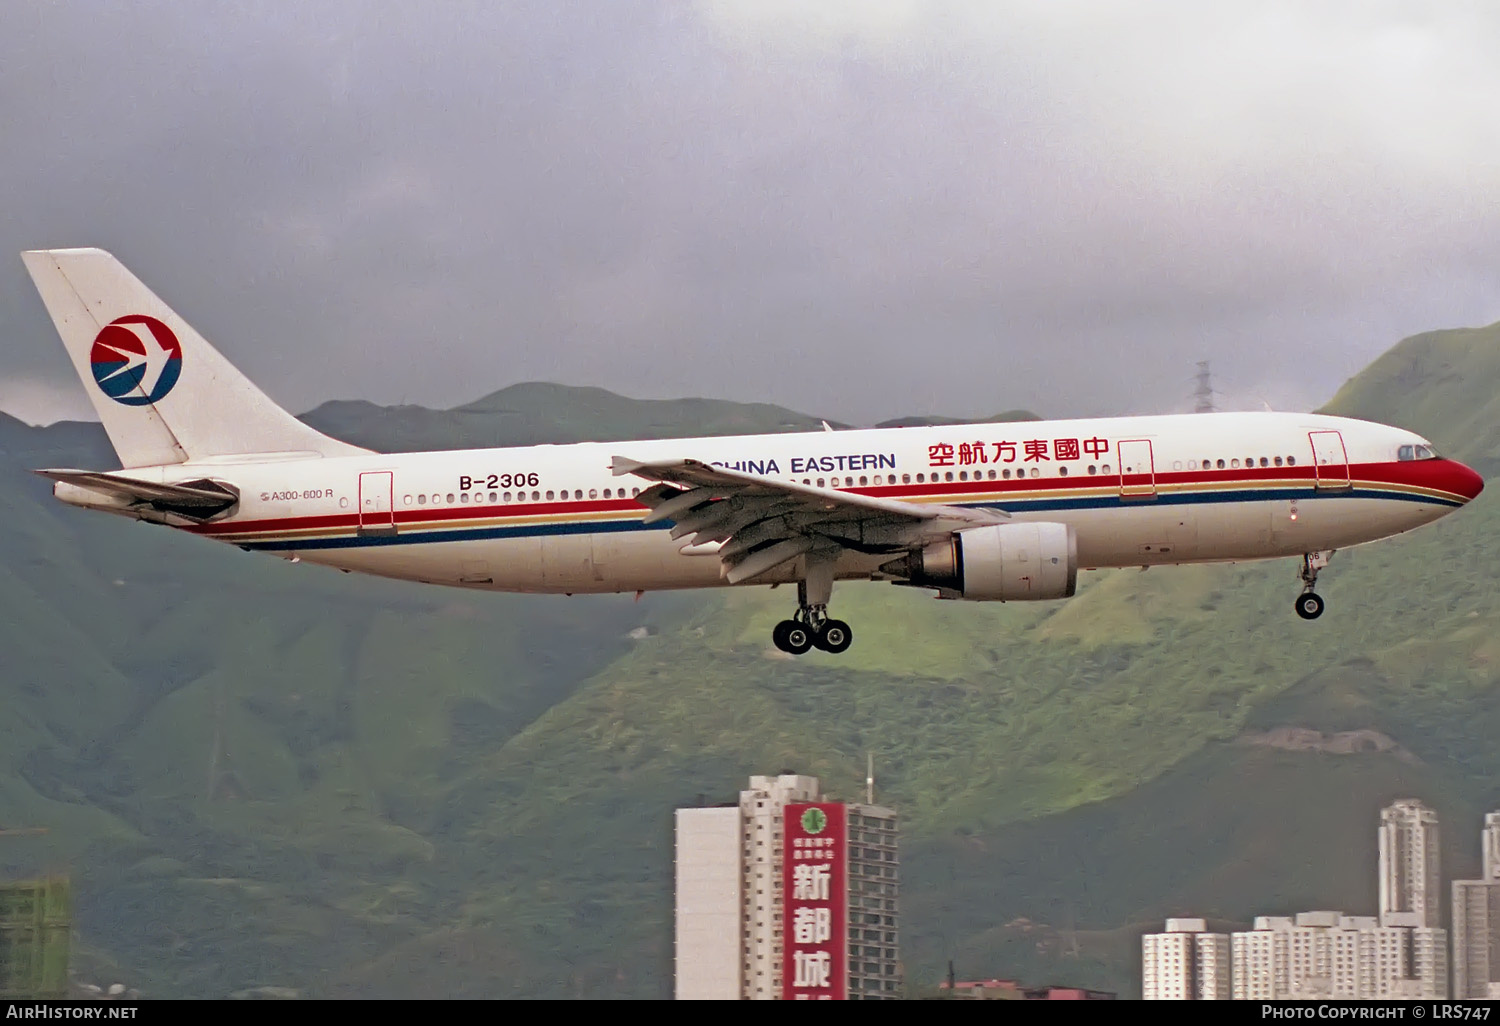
1416,452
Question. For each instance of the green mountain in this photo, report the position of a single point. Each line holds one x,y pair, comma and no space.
262,774
535,413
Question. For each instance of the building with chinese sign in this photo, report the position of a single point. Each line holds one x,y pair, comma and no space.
787,895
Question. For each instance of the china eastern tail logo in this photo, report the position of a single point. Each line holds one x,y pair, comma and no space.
136,360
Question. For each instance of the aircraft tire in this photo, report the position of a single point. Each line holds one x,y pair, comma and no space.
791,636
835,637
1309,606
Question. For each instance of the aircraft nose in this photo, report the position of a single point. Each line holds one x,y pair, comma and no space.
1465,481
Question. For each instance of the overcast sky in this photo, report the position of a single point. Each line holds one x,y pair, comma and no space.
860,210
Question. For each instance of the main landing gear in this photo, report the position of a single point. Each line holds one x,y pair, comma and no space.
1309,606
810,626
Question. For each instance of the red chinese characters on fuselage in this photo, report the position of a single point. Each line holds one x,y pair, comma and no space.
1031,450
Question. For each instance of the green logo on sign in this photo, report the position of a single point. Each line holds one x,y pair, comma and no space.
813,821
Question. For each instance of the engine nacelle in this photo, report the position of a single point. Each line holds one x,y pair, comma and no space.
1004,563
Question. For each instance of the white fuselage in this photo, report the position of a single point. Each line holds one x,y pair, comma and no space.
1137,491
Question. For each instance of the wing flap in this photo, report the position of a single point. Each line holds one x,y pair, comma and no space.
762,522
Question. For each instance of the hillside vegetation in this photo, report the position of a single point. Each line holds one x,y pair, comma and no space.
263,774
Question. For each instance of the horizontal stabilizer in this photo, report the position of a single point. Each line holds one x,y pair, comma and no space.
196,500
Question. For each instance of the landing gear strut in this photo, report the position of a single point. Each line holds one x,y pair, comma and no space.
1309,606
810,627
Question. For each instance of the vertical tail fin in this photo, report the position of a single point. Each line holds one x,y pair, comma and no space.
164,394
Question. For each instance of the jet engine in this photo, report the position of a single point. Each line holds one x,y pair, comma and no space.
1012,562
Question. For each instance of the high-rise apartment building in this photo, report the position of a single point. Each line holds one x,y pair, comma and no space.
1185,963
1400,954
1410,876
787,895
1476,923
762,849
1328,955
708,885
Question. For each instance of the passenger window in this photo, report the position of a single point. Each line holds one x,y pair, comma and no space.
1005,473
1176,464
421,500
1234,463
1265,462
992,475
463,497
505,496
450,498
1192,464
963,475
1035,472
1278,461
1291,461
607,493
906,479
406,499
493,497
1221,464
1062,471
948,476
634,492
848,482
1093,469
436,499
864,480
537,496
921,478
820,482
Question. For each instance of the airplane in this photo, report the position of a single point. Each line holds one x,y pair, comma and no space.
977,512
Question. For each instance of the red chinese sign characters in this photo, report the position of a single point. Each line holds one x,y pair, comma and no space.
1033,450
815,905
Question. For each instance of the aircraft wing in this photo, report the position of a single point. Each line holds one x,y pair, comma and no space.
762,522
196,500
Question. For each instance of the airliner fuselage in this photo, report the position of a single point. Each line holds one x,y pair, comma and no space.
1138,491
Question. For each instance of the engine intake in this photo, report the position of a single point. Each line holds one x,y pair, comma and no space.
1004,563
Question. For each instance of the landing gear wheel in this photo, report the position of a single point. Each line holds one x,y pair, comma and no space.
835,637
1309,606
791,636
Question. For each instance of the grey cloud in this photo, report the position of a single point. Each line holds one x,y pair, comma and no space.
890,211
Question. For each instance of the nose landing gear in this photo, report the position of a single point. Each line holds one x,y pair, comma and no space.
1309,606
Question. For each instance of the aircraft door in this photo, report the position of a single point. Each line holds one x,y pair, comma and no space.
1330,459
377,513
1137,469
